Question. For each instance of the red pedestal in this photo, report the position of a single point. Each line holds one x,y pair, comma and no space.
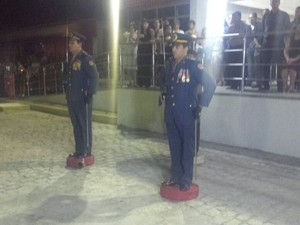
78,163
173,193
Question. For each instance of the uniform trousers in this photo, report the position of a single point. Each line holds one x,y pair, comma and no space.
181,138
82,123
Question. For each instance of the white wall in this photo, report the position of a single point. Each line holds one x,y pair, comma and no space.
138,109
270,124
267,124
262,123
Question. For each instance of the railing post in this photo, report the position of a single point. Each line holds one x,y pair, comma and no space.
276,73
153,65
44,80
62,72
55,79
121,75
244,66
27,83
108,68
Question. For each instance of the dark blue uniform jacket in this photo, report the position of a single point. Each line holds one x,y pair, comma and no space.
186,87
82,77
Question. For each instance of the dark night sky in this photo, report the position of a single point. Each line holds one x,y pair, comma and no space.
16,14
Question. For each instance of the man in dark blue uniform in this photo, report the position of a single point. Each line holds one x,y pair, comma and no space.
181,83
81,85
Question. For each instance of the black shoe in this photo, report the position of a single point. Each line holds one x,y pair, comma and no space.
184,187
169,182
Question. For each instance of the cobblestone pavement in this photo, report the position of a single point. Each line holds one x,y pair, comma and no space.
122,188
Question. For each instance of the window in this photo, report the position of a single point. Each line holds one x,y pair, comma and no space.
149,14
184,23
166,12
183,10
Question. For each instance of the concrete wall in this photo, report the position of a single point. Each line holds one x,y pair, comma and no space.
254,122
263,123
104,100
267,124
139,109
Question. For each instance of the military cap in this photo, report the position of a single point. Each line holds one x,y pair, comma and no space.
77,36
178,38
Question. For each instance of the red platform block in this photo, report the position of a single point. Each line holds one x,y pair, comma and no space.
173,193
78,163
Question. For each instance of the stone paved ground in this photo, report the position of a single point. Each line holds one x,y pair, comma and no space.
123,186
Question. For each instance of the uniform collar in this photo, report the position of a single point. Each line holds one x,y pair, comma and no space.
182,61
180,64
76,55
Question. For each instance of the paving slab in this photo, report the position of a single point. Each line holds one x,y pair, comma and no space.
122,188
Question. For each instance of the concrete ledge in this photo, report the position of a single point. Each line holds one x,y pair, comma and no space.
53,109
105,117
61,110
256,121
11,107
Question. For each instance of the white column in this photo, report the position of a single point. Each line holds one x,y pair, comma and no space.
198,9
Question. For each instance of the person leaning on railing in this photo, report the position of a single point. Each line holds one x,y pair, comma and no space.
129,53
292,60
294,23
144,56
296,17
235,44
276,24
253,51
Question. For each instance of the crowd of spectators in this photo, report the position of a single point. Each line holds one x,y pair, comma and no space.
259,50
148,44
146,48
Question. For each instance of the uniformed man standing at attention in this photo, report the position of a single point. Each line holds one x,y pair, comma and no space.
81,85
183,103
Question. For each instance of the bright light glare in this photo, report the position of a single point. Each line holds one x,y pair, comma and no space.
115,15
216,14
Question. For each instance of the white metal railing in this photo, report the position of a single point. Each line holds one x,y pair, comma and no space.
49,78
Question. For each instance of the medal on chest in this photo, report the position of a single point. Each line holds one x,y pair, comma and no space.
183,76
76,65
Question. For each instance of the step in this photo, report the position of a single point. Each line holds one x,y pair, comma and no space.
12,107
61,110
